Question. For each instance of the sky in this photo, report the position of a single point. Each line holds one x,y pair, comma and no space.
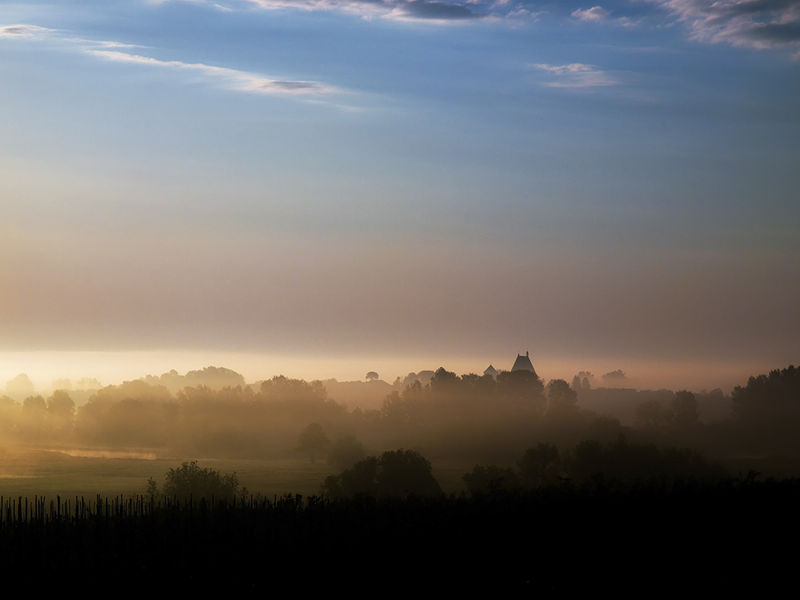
336,184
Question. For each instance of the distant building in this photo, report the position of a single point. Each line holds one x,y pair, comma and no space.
523,363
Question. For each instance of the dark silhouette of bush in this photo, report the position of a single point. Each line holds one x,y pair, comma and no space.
685,410
560,396
491,480
681,412
520,389
540,466
345,452
444,381
405,472
769,398
654,415
359,480
191,480
396,474
313,441
621,461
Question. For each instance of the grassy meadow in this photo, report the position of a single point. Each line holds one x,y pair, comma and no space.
87,472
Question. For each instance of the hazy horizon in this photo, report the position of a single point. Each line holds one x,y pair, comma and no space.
609,186
112,368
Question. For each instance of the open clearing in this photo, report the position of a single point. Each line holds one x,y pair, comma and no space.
87,472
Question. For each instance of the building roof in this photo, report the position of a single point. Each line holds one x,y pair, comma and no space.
523,363
490,370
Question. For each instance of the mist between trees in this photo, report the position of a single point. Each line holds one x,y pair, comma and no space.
469,420
556,496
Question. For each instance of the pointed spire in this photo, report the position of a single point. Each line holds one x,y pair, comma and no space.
523,363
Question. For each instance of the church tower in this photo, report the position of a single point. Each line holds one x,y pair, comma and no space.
523,363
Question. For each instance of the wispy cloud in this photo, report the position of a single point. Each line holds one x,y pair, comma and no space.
233,79
432,12
596,13
211,3
576,76
759,24
437,12
24,31
428,11
227,78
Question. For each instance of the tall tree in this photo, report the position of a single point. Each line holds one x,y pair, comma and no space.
684,409
313,441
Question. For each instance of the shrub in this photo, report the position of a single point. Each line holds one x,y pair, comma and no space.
491,479
191,480
396,474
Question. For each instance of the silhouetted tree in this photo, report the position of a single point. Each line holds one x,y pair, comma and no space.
313,441
192,480
766,412
20,386
684,409
652,414
345,452
444,381
132,413
61,404
372,376
211,377
560,396
582,381
151,490
769,397
622,461
405,472
294,391
615,377
61,412
9,413
540,465
396,474
87,383
34,417
491,479
359,480
408,407
520,389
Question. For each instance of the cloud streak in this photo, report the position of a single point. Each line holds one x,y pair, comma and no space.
576,76
232,79
24,31
594,14
227,78
432,12
758,24
598,14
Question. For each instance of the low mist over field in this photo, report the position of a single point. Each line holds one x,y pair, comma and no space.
291,432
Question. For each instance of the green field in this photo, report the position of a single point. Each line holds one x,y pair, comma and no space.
28,472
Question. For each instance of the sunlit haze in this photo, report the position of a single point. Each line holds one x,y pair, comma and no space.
47,370
321,189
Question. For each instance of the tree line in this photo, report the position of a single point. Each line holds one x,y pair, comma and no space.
467,418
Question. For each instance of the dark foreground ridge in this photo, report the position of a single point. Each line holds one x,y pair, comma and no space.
638,539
